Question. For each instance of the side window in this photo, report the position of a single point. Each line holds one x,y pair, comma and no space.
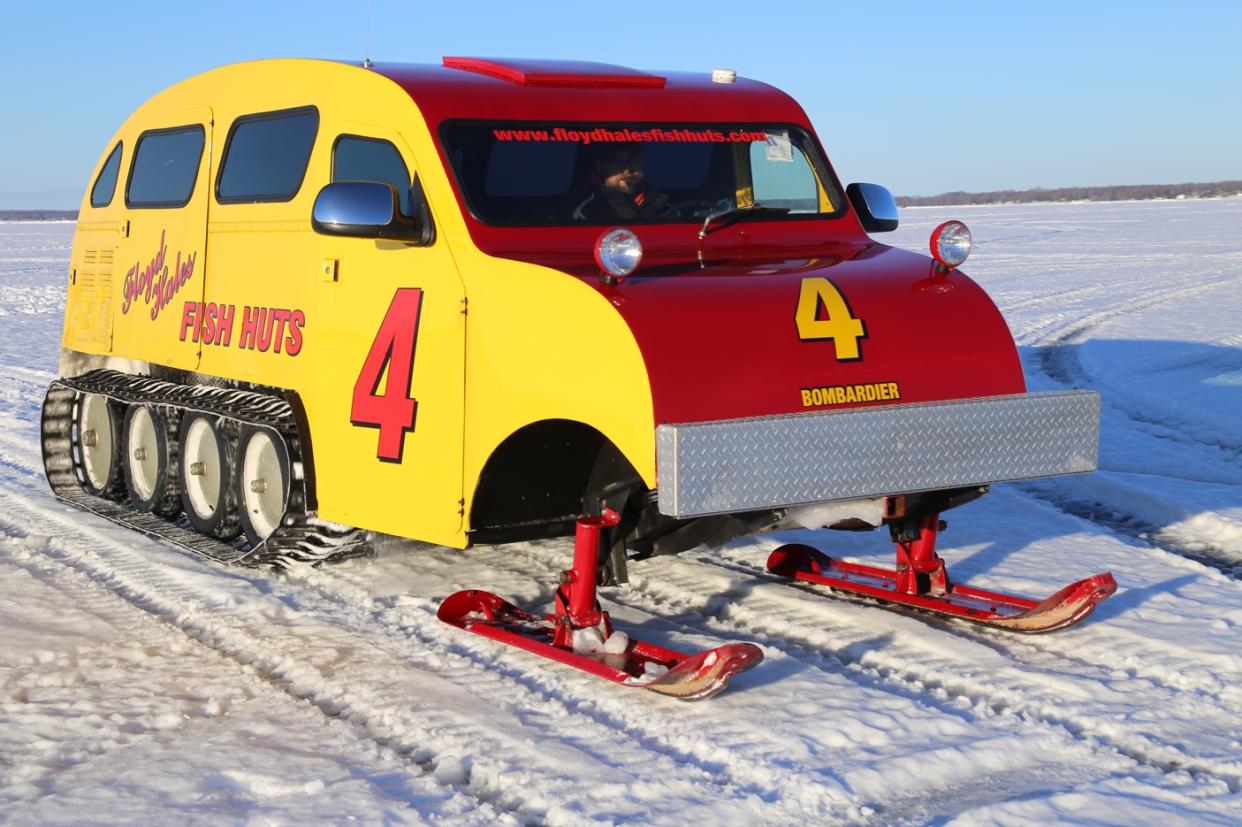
369,159
266,155
105,184
782,176
165,167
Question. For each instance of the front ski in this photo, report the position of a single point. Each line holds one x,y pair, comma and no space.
922,582
580,633
640,664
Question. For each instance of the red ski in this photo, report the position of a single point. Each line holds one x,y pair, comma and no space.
581,634
922,582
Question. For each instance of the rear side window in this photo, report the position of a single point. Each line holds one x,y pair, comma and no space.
266,156
105,184
165,167
370,159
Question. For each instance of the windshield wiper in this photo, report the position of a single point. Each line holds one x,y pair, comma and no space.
732,215
737,214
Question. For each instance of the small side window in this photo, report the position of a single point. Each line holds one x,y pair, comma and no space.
356,158
165,167
105,184
266,156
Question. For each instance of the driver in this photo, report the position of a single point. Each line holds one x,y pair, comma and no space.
619,189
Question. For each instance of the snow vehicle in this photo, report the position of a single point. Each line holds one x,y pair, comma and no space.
310,300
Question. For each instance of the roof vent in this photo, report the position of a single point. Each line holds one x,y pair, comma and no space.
557,73
724,76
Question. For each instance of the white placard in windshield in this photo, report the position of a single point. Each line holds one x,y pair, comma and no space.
778,147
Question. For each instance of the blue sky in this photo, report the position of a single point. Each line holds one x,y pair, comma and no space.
921,97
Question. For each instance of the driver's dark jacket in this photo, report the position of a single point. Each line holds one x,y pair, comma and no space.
604,204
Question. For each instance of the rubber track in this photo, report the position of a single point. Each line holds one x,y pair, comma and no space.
301,537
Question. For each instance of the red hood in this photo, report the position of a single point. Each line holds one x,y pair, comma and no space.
722,343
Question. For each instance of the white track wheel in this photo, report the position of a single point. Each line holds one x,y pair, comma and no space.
151,462
263,482
98,446
208,495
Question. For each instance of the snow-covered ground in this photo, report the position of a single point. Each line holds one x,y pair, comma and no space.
141,685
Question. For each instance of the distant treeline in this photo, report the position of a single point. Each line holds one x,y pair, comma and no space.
38,215
1132,192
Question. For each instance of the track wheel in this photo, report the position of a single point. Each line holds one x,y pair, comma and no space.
98,421
263,482
208,495
151,462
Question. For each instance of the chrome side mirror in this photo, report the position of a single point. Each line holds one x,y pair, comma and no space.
875,205
363,209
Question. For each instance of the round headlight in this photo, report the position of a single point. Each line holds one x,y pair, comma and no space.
618,252
950,244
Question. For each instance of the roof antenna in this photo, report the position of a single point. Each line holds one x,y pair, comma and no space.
366,39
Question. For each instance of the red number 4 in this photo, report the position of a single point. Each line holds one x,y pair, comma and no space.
392,411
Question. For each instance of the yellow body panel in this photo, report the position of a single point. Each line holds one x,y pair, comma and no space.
88,307
535,344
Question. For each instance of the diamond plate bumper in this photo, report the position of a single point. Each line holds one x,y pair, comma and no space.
768,462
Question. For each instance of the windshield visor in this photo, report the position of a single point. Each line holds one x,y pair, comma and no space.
523,174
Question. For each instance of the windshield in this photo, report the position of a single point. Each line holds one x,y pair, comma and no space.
573,173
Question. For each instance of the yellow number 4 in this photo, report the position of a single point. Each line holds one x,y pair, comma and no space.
837,322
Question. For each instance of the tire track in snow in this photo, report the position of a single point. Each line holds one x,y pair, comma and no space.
29,376
1055,298
666,597
1059,362
90,602
1105,660
22,397
754,774
916,670
777,626
282,671
1139,755
218,691
17,454
1099,661
142,584
750,771
1134,529
1062,328
700,757
1104,666
793,778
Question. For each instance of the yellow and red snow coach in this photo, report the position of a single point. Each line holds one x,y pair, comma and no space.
495,299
